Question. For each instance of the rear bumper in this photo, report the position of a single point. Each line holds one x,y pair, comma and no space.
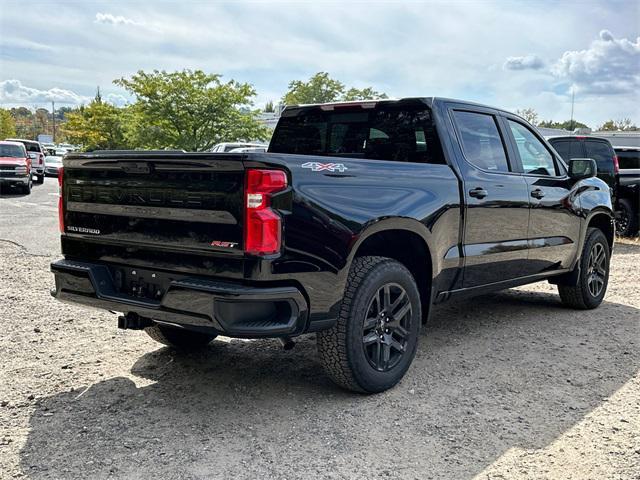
51,171
224,308
37,170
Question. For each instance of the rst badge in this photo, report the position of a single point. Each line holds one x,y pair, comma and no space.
319,167
221,244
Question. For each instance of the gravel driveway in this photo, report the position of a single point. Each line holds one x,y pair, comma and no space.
509,385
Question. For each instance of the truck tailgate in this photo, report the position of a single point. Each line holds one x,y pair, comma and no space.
159,201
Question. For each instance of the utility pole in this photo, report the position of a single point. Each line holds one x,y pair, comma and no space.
573,97
53,115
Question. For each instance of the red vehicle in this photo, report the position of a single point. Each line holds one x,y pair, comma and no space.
37,153
15,166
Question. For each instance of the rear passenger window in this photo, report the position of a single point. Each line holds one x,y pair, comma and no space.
535,157
568,149
628,158
481,141
602,153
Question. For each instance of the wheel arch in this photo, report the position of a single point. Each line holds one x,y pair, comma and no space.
407,241
604,221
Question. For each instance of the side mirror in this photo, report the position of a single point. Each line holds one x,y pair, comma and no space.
580,168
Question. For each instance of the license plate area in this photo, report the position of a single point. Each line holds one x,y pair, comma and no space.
141,283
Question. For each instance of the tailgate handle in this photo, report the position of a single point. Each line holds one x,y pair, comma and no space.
136,167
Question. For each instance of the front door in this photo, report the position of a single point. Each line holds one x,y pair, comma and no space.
496,202
554,222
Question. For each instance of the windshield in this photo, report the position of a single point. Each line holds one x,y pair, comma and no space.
52,159
12,151
388,132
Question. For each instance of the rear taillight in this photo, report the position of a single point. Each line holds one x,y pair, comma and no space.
262,225
616,165
40,159
60,204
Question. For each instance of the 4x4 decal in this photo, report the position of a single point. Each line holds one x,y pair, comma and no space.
319,167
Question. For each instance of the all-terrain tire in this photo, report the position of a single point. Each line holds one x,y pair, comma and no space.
179,338
342,349
580,296
26,189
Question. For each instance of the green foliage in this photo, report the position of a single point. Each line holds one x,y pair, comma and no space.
566,125
529,114
268,108
189,110
321,88
623,125
7,124
98,126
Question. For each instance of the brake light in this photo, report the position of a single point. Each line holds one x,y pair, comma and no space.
60,204
262,225
616,165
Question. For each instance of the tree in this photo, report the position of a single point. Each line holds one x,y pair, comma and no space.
189,110
7,124
268,108
98,126
367,93
624,125
321,88
566,125
529,114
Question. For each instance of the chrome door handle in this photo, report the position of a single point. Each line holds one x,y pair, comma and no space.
537,193
478,192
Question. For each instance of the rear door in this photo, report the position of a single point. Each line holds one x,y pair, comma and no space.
496,200
554,225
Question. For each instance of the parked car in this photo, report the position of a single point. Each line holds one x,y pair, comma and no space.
249,149
227,147
628,215
359,218
15,166
52,164
622,182
37,153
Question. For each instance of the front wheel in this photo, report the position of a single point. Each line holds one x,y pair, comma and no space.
26,189
178,337
375,338
589,290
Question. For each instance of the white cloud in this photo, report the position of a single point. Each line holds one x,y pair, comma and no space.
608,66
528,62
14,92
116,99
109,19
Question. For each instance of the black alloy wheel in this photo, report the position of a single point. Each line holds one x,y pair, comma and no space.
596,273
386,327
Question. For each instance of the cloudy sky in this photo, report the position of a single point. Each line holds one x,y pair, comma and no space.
510,54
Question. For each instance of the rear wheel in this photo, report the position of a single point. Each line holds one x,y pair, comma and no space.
179,338
627,219
589,290
374,340
40,179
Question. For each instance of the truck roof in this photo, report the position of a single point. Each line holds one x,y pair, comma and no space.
426,100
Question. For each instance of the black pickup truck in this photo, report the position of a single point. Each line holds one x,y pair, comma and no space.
357,220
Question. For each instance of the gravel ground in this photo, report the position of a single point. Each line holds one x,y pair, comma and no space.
510,385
